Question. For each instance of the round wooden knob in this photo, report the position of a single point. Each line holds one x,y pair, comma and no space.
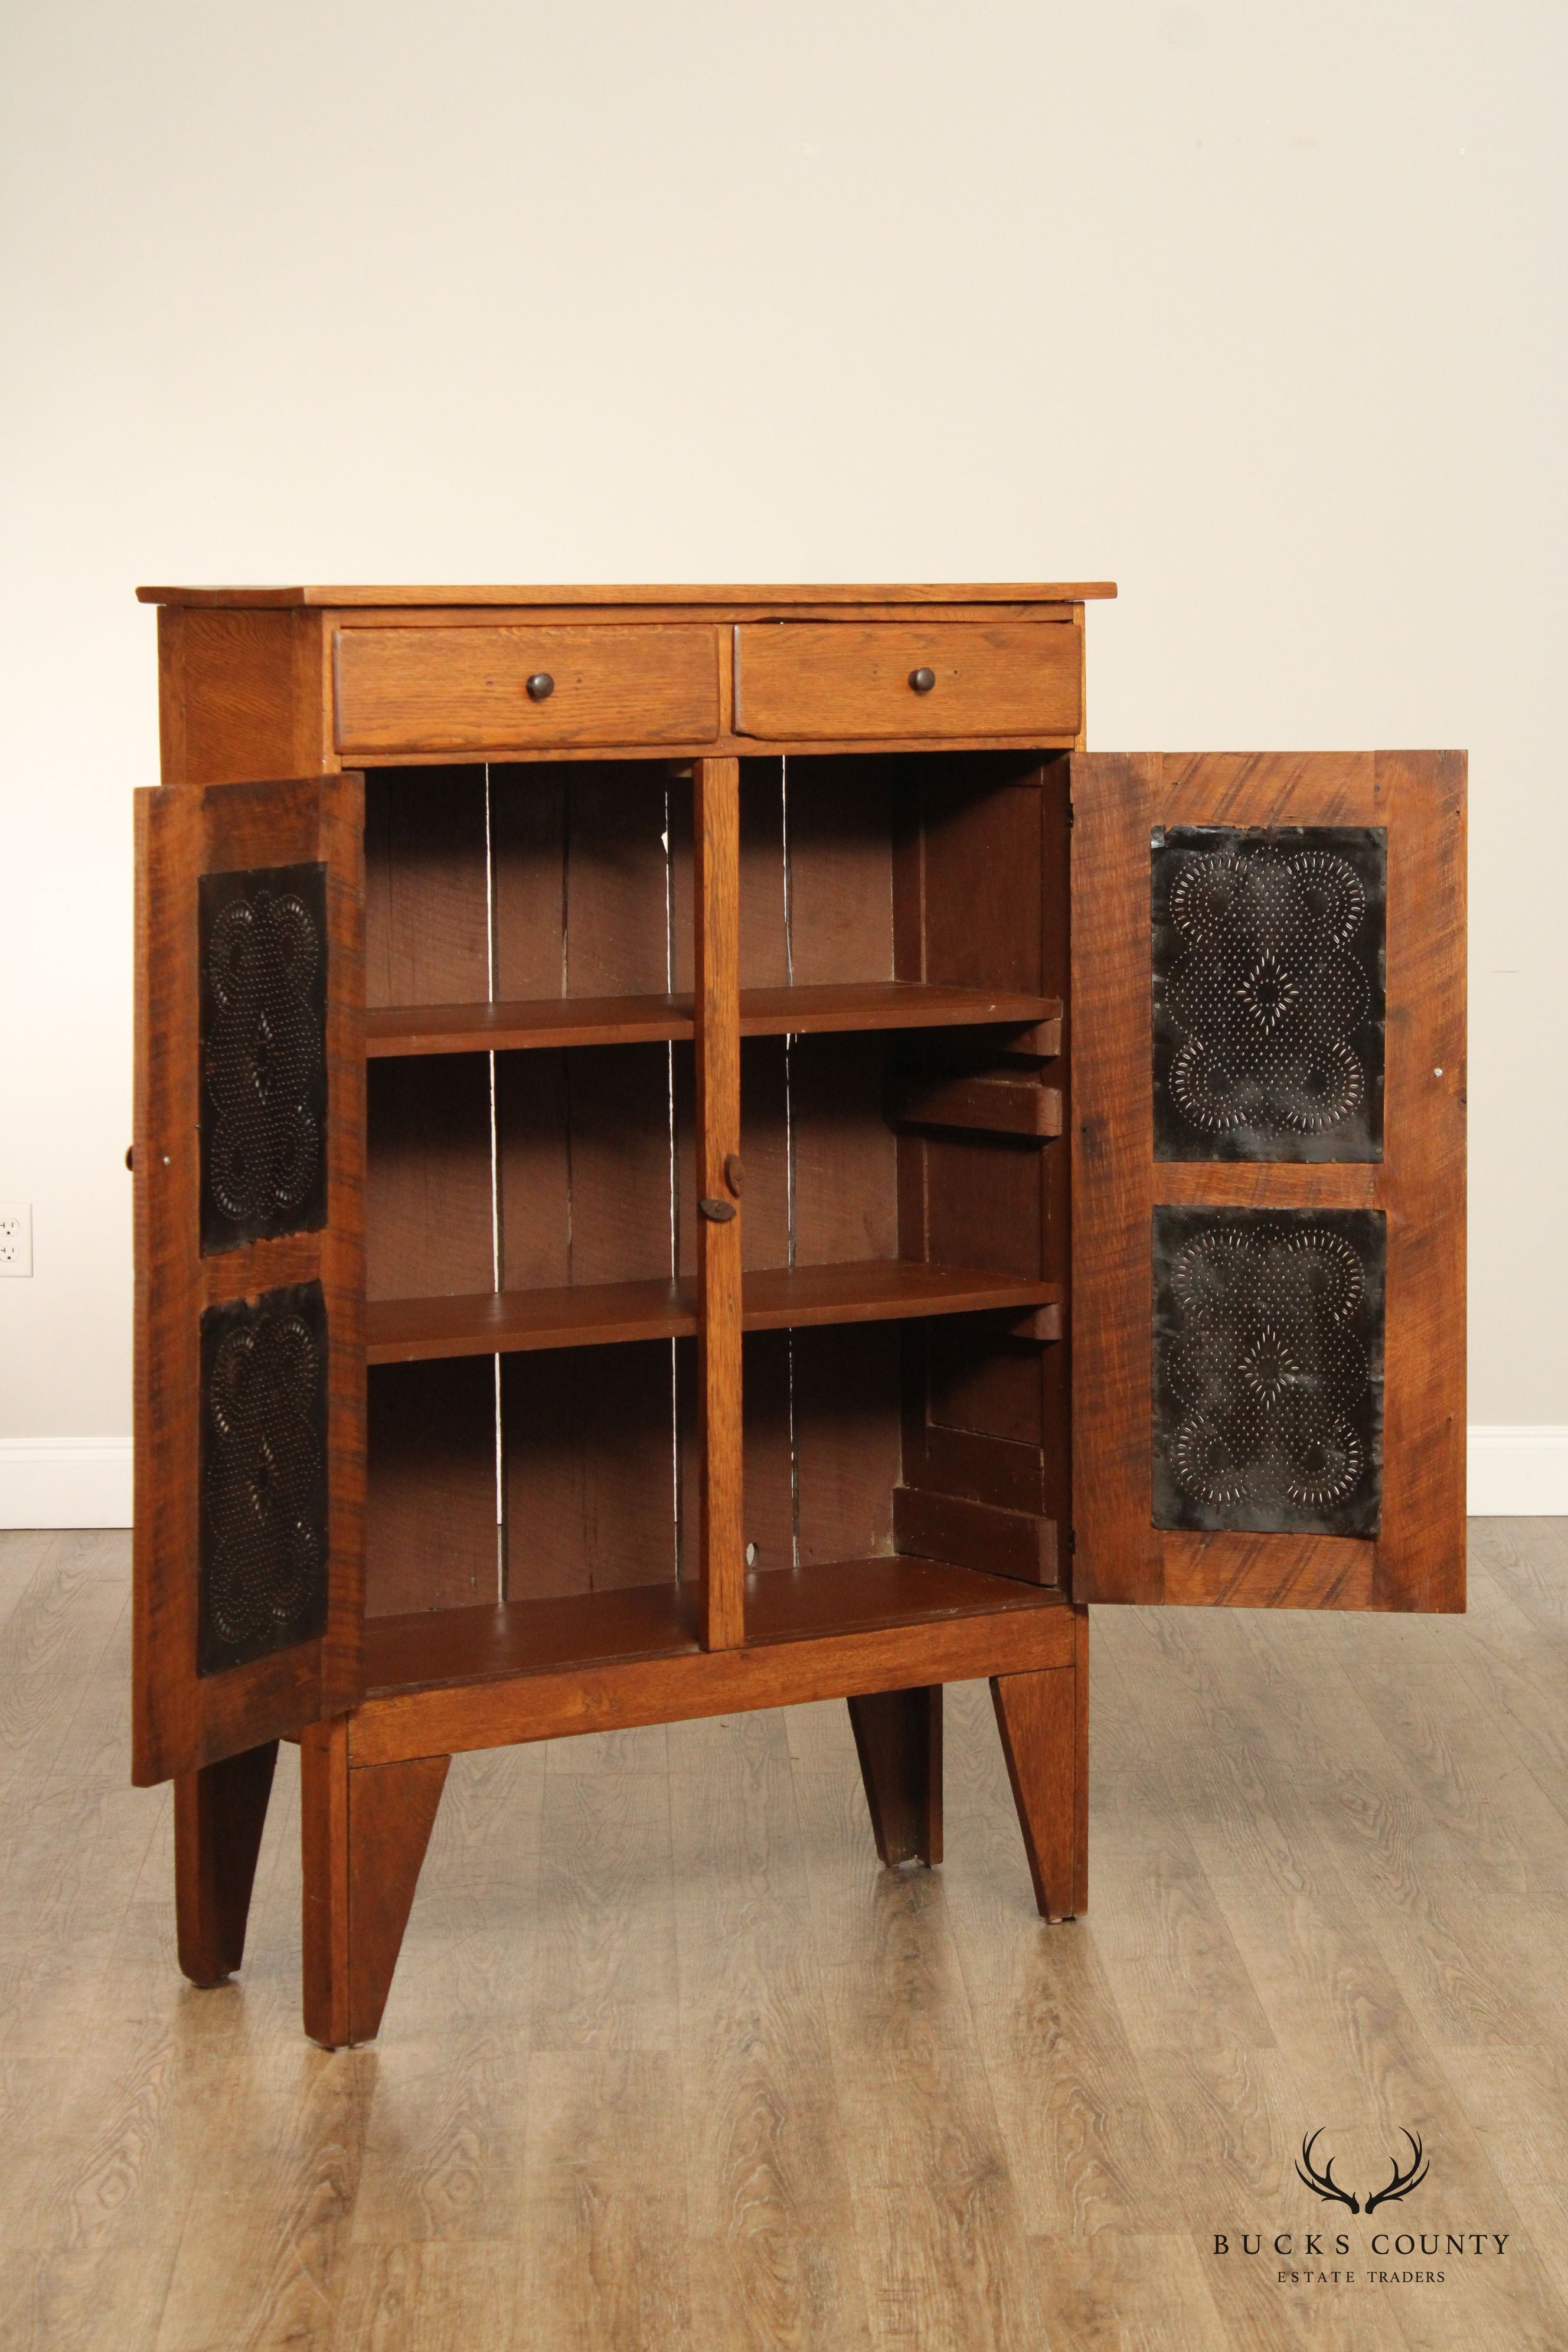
541,686
922,680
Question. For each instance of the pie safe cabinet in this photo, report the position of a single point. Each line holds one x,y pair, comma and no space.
694,1151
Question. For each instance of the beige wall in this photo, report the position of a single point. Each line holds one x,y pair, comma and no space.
1256,307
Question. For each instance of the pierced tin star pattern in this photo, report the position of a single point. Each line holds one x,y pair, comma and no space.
263,937
1268,991
1268,1370
263,1555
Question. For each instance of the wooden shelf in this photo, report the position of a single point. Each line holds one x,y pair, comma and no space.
886,1004
502,1322
879,1290
441,1648
406,1029
401,1029
773,1298
432,1649
856,1596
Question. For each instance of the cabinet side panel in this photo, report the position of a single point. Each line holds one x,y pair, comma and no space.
1421,1551
1117,1555
985,1413
242,696
984,882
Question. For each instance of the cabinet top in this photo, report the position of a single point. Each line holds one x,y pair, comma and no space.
1056,592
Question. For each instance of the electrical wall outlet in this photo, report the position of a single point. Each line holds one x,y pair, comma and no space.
15,1237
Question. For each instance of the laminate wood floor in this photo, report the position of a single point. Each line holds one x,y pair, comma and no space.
669,2062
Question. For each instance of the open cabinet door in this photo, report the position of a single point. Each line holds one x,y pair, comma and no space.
247,1158
1268,1182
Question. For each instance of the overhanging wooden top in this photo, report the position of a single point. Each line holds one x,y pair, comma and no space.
1056,592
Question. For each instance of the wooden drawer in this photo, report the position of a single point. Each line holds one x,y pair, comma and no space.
461,690
832,680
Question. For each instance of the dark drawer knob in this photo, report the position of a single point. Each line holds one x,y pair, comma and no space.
541,686
922,680
717,1212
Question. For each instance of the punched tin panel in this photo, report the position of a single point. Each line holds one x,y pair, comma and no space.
1269,1328
1267,948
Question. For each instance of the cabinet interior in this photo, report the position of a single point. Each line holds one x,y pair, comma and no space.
530,1197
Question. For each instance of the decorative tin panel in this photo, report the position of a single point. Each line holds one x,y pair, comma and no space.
1268,991
263,1476
263,938
1268,1370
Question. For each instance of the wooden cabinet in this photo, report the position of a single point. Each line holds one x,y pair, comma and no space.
760,1172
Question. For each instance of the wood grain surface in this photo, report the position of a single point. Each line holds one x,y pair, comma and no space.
799,679
778,2094
1416,1561
363,1832
835,1628
181,1721
773,1298
396,1029
719,1199
242,695
1037,1716
901,593
469,689
898,1738
220,1812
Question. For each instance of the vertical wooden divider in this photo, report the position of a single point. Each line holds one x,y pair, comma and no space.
716,834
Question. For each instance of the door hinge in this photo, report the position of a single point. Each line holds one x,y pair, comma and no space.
1072,816
1072,1541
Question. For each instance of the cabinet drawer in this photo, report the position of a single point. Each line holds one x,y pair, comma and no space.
796,678
444,689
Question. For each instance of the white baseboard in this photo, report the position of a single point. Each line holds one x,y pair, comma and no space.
1515,1471
64,1482
1518,1470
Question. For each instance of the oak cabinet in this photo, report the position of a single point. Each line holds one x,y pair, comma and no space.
694,1151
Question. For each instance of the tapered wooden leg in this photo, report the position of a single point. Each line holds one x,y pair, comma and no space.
1044,1722
897,1735
219,1813
364,1831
